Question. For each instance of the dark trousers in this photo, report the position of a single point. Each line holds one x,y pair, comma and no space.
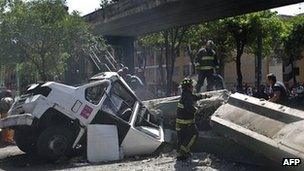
202,75
186,137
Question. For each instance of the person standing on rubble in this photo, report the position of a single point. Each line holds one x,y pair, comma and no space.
278,90
187,132
206,63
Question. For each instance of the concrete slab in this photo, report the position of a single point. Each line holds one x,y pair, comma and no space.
211,142
269,129
206,107
208,141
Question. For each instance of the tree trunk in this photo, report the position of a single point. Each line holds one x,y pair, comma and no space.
222,67
192,58
240,50
172,47
172,59
259,60
143,74
167,57
293,71
169,81
221,62
161,69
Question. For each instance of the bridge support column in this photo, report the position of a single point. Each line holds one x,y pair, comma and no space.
126,44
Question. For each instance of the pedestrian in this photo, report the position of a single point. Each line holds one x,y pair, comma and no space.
206,63
261,93
5,104
187,132
249,91
278,90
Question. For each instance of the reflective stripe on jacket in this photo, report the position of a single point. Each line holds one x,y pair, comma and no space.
206,60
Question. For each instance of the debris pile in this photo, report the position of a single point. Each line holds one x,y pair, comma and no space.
11,158
166,107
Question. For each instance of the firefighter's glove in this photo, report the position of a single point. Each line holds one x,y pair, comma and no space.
200,96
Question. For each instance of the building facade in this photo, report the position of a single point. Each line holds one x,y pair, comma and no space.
152,69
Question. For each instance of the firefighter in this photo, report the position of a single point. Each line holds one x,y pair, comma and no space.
206,63
185,123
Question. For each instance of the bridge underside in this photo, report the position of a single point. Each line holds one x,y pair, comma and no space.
175,13
122,22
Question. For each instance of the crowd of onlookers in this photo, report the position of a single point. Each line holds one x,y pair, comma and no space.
264,91
296,91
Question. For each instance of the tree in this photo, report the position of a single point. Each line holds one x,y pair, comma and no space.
294,41
255,33
170,41
148,44
106,3
43,35
268,32
194,39
173,40
224,43
240,29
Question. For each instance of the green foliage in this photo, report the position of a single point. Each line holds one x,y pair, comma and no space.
170,41
195,36
27,74
151,41
294,42
41,34
105,3
259,33
270,27
246,29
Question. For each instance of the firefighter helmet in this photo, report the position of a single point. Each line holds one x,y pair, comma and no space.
186,82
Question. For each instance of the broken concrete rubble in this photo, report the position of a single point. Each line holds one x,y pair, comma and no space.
206,107
208,141
11,158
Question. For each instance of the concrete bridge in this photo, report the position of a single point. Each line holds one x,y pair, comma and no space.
120,23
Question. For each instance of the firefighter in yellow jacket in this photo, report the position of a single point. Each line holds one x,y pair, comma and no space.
185,121
206,63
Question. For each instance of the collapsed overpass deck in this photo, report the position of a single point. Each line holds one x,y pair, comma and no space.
139,17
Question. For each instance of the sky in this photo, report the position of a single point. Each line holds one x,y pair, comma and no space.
84,7
88,6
